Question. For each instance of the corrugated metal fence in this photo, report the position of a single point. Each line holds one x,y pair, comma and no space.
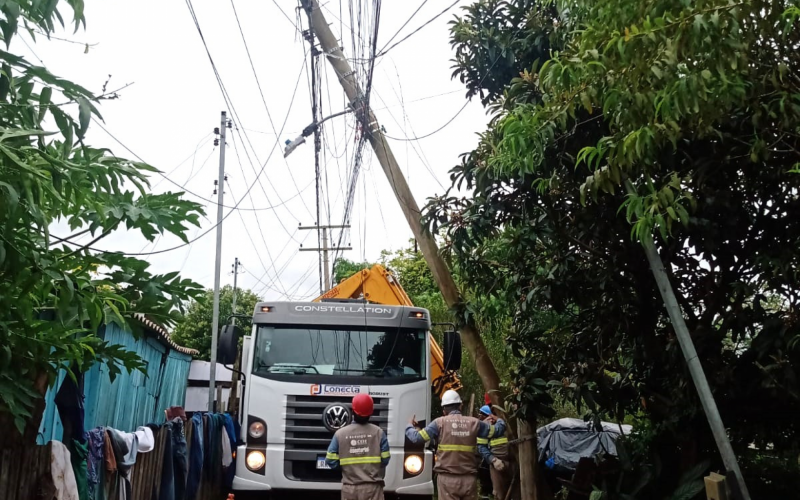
133,399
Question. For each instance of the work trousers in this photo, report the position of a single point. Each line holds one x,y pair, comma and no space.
463,487
365,491
501,481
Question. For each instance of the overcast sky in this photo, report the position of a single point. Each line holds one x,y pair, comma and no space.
168,114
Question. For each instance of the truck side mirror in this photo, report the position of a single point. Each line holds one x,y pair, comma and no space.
228,347
452,350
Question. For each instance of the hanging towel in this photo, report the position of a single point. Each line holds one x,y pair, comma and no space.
61,472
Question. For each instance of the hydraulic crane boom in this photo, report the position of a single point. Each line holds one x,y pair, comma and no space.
379,286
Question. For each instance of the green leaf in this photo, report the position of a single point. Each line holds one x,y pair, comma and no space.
586,101
657,71
597,495
44,102
84,116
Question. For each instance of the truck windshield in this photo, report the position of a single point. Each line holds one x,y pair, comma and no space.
322,351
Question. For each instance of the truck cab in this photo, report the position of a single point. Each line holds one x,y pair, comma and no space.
303,363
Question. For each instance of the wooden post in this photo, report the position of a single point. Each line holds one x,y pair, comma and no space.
528,460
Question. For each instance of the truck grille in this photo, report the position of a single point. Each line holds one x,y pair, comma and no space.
307,438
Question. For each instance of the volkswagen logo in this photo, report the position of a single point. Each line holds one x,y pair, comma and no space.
335,417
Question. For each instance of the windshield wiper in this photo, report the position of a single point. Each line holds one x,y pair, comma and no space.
296,369
375,372
357,370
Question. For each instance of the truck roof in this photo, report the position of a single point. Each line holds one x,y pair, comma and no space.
341,313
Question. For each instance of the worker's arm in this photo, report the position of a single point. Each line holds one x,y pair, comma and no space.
483,449
332,458
492,431
385,453
424,435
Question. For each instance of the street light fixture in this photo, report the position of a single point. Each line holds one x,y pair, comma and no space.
301,139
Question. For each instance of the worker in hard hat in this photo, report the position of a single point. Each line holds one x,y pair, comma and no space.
362,451
484,470
495,451
457,436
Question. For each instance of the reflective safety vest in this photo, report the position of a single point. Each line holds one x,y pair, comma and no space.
498,447
360,454
456,452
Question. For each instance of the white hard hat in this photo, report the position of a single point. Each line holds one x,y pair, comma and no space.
451,397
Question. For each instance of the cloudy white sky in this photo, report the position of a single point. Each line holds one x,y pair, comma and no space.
169,112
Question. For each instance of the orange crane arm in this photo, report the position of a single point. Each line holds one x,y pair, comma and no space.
379,286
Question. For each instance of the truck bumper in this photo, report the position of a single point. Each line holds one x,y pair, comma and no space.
273,477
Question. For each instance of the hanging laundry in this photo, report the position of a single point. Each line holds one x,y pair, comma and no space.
108,455
79,453
196,458
166,490
213,446
230,428
61,472
126,458
95,467
227,455
69,401
180,457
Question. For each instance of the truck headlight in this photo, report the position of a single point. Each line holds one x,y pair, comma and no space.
413,464
256,460
256,430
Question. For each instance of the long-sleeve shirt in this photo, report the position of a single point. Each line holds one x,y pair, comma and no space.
332,458
485,432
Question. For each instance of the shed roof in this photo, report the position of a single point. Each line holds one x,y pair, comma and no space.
164,335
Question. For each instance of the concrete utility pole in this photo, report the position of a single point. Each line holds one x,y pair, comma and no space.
738,486
324,249
218,261
441,273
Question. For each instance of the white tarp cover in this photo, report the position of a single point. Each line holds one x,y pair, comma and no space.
568,440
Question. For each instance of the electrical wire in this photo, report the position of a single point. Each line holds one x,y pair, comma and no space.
232,209
184,188
405,24
451,120
237,119
261,92
258,219
437,16
419,154
190,157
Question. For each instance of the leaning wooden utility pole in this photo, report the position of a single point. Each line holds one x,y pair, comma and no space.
346,76
430,251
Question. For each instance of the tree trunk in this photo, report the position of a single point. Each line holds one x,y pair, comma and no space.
528,456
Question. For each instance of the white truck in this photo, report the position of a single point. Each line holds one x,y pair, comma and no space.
303,363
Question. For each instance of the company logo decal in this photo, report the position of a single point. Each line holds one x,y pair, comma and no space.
344,309
334,390
335,417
